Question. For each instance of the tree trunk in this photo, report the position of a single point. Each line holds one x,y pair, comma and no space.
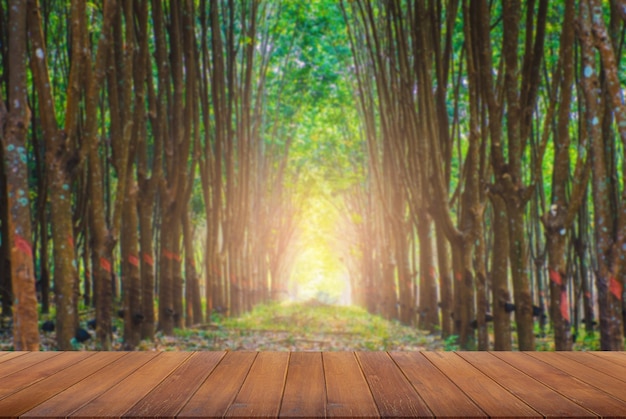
102,243
428,310
13,129
499,276
445,283
5,257
193,308
59,166
131,281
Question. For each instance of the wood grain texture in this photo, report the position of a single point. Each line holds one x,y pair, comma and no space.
122,396
262,391
24,360
76,396
437,390
33,395
581,393
169,397
618,358
329,384
393,394
485,392
5,356
602,364
304,401
24,377
219,390
589,375
542,398
347,391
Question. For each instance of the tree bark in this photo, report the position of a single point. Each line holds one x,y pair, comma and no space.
14,124
60,156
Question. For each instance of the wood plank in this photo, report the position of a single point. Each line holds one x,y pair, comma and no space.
618,358
219,390
29,397
393,394
48,365
541,398
486,393
262,390
5,356
120,398
592,376
81,393
441,395
600,363
579,392
347,391
305,390
172,394
23,361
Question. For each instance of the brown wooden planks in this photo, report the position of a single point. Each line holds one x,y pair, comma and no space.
24,360
305,390
581,393
344,384
219,390
543,399
618,358
5,356
262,391
393,394
120,398
81,393
600,363
29,397
168,398
592,376
441,395
486,393
47,366
347,391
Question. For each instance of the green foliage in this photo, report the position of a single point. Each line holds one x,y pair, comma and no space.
591,342
451,343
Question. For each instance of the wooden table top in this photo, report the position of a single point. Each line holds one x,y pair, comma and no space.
312,384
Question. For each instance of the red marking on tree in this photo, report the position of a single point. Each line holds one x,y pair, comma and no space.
22,244
70,240
458,276
105,264
148,259
587,294
133,260
564,305
171,255
432,272
555,277
616,288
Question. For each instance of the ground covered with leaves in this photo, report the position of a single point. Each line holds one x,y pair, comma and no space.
300,327
280,327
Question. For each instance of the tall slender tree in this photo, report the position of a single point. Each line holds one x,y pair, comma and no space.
14,123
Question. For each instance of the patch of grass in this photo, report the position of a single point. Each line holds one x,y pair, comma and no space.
316,326
451,343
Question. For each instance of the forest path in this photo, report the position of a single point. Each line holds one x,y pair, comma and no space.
311,326
302,327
